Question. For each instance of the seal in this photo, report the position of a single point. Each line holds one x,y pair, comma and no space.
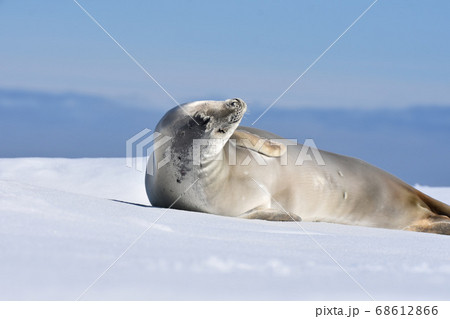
204,161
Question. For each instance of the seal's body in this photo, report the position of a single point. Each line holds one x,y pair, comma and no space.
213,165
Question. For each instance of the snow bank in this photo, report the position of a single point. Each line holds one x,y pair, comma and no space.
63,222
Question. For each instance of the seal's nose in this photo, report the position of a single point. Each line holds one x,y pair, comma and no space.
236,108
236,103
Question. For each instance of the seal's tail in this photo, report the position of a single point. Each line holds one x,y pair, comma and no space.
434,205
439,223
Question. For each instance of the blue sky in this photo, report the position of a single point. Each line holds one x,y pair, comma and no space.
395,56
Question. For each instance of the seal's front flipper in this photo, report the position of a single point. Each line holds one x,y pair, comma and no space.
258,144
271,214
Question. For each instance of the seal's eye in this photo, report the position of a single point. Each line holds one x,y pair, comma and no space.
234,104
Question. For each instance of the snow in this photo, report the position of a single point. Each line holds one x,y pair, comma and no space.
63,222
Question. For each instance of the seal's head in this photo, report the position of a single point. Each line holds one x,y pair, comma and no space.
202,124
204,119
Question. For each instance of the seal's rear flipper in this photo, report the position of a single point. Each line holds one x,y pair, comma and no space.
435,224
271,214
434,205
259,144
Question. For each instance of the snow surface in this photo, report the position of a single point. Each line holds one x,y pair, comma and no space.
63,222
